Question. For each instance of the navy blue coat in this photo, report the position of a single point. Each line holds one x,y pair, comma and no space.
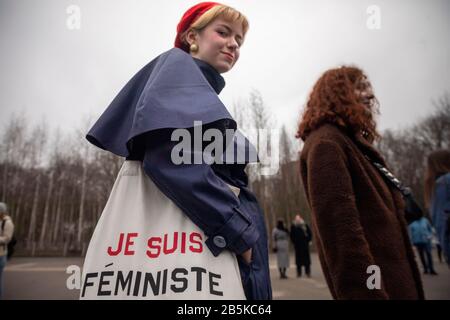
172,92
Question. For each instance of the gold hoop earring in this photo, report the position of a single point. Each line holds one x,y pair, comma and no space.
193,48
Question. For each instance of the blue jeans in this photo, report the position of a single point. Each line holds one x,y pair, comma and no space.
425,256
2,266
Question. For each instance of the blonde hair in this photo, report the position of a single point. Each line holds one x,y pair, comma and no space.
222,11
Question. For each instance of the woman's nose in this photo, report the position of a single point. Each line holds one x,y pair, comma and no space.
232,44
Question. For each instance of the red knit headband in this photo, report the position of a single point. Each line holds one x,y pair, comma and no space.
189,18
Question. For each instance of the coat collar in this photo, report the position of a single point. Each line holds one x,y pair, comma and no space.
368,149
211,74
362,144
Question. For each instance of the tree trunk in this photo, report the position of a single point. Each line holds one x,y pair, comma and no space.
81,210
32,226
46,211
5,178
18,210
58,212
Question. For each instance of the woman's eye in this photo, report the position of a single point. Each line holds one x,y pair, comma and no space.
222,33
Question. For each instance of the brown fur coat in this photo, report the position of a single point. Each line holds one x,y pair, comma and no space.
357,218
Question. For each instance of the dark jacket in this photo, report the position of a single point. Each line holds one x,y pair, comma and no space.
301,237
173,91
357,218
440,212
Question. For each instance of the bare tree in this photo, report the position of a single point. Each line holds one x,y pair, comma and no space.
43,234
11,150
36,145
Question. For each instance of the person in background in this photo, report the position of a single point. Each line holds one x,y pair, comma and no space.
435,242
6,233
301,237
280,237
437,197
421,234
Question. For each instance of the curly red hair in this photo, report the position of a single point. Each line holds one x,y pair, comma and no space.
344,97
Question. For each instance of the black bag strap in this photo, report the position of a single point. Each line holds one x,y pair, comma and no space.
412,209
390,177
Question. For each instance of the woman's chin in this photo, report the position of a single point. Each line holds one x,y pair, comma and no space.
223,67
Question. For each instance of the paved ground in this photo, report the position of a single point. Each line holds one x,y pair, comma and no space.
45,278
315,288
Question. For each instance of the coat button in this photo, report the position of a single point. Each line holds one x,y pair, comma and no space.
219,241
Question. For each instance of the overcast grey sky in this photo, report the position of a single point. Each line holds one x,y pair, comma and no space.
48,69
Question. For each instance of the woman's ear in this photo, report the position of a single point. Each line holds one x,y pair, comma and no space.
191,36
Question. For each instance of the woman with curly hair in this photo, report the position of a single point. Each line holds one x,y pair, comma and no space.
357,210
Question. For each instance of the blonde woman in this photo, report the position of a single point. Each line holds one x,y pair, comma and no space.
175,90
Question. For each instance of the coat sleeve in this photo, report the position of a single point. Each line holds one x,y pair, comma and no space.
308,234
332,200
429,230
291,234
205,198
